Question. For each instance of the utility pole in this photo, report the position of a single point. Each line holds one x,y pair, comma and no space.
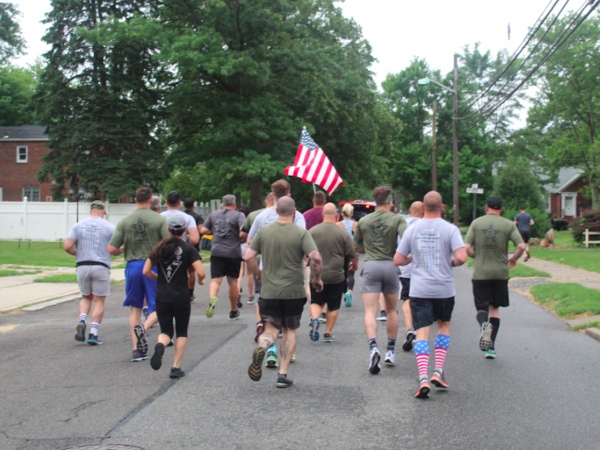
434,183
455,142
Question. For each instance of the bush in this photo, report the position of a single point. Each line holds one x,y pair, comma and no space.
541,218
589,221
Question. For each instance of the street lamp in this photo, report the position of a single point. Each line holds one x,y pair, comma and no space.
454,134
79,196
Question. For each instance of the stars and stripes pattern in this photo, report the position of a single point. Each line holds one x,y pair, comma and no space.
442,343
313,165
422,353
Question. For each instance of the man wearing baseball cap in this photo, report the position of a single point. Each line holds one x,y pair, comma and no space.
487,243
87,241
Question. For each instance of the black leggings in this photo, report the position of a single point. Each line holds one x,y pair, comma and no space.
180,311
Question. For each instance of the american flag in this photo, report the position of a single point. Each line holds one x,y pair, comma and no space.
313,165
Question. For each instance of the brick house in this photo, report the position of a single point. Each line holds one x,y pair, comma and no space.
21,151
566,199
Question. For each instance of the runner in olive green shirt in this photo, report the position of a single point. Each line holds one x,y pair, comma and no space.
487,242
377,233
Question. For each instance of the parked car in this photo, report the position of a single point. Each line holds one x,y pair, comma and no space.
361,207
560,224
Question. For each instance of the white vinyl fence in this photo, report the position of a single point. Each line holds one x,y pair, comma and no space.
51,221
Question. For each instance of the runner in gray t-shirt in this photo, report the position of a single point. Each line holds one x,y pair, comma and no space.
225,255
433,246
87,241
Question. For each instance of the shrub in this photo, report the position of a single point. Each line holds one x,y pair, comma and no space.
589,221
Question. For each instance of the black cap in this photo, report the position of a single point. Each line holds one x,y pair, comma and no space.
494,203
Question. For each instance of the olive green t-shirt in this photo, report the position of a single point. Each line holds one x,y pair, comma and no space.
378,233
335,247
139,232
489,236
283,247
250,220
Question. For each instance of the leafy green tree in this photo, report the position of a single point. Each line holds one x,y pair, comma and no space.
567,104
517,185
11,39
248,75
99,95
17,86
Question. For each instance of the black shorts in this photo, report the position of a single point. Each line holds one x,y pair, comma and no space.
177,311
284,313
525,235
405,288
331,294
425,311
488,293
225,267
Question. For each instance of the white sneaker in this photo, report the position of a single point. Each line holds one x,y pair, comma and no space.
374,359
390,358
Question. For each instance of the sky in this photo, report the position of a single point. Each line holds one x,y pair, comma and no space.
398,30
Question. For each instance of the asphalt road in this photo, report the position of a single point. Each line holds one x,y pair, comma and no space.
540,393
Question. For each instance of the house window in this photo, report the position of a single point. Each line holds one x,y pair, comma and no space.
32,193
22,154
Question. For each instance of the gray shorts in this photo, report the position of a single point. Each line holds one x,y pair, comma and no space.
94,280
380,277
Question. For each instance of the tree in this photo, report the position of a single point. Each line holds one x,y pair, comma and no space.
247,76
517,185
99,95
17,86
566,111
11,40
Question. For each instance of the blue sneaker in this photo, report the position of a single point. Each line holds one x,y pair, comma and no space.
80,335
145,312
272,361
348,299
313,334
94,340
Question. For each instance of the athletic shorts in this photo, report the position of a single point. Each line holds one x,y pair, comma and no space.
330,295
167,312
405,283
525,235
282,313
380,277
94,280
244,248
225,267
138,286
488,293
425,311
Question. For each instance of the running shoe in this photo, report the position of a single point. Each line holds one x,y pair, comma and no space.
240,304
323,318
293,358
176,372
255,368
156,360
251,300
390,358
313,334
80,335
272,361
526,259
136,355
382,317
374,359
424,388
283,381
485,340
210,309
145,312
233,315
94,340
408,343
142,344
348,299
260,327
438,380
328,338
490,354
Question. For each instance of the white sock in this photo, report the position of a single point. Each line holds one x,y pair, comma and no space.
94,329
83,317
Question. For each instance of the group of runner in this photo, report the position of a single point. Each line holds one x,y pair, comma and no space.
298,263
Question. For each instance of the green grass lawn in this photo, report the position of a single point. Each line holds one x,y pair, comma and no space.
567,251
568,300
59,278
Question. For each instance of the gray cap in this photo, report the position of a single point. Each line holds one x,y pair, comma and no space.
97,204
177,222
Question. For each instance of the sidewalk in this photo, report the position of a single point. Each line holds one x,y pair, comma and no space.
22,292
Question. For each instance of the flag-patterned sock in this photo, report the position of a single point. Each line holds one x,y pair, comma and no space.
442,343
422,354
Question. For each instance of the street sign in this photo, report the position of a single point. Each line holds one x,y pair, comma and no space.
474,191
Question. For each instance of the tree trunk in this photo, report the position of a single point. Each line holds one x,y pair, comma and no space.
257,196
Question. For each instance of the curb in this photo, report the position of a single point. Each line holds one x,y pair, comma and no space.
36,305
593,332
